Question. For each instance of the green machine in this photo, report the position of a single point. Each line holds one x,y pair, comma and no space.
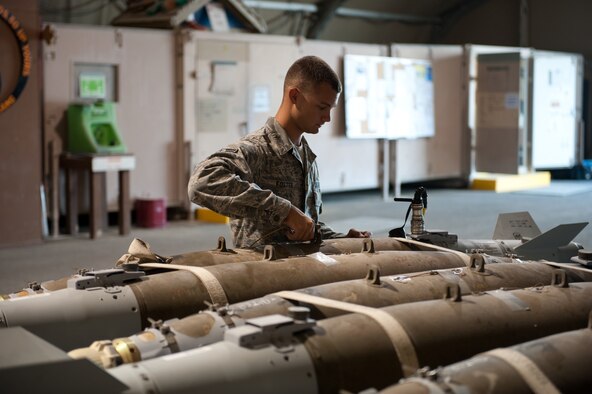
92,128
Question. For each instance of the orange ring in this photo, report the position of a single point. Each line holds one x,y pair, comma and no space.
25,55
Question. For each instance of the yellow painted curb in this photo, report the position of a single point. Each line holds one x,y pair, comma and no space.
501,183
207,215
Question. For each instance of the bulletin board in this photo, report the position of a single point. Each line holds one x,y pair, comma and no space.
388,97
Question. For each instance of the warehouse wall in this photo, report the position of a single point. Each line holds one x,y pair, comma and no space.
548,25
493,22
344,164
443,155
566,28
254,70
562,28
20,134
145,64
552,25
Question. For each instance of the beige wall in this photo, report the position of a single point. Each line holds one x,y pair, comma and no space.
344,164
549,25
20,134
262,61
145,60
445,154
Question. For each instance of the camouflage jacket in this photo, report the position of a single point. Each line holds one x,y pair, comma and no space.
256,181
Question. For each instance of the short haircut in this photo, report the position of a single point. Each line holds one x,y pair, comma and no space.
309,72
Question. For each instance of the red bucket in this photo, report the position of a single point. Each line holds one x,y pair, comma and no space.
151,213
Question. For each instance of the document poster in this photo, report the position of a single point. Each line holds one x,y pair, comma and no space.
388,97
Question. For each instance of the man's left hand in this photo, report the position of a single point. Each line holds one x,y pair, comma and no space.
353,233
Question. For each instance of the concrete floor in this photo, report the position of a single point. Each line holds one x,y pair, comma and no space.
470,214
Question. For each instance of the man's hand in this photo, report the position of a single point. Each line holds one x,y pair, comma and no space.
300,226
353,233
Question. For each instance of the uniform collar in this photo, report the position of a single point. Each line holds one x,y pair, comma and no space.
279,140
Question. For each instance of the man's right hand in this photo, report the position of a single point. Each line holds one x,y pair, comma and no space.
300,226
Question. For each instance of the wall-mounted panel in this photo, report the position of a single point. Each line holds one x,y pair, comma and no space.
388,97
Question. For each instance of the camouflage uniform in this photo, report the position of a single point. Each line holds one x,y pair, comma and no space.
256,181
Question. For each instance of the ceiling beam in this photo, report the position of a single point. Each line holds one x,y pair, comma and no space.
326,11
343,12
452,15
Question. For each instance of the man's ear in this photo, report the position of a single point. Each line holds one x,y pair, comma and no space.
293,94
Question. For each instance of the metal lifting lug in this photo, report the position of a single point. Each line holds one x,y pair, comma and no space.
559,278
276,330
368,246
34,286
453,292
478,262
269,253
373,276
222,245
103,278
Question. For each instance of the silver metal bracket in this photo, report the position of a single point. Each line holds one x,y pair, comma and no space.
437,237
276,330
103,278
